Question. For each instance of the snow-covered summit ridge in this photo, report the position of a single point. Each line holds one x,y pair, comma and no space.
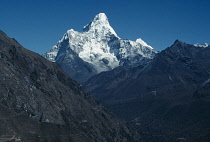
139,40
99,20
100,23
201,45
100,46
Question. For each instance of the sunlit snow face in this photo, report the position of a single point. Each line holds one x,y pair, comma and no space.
100,46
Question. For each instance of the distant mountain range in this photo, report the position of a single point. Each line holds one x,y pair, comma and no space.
40,103
165,95
98,48
166,99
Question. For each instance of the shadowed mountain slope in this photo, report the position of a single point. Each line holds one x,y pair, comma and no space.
39,102
161,99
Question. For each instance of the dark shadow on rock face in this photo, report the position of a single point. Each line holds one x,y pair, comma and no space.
166,99
39,102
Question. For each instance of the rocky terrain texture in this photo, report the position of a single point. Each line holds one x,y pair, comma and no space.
166,99
39,102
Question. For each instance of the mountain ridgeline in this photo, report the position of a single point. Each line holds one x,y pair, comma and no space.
164,95
98,48
166,99
39,102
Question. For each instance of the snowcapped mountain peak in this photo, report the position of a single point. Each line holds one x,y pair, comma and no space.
139,40
99,20
100,24
101,17
99,48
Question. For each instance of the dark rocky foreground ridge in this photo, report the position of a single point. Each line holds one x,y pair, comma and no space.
40,103
166,99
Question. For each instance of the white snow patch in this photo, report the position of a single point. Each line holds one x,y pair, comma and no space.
207,81
201,45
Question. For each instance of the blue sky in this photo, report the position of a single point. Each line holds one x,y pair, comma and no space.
39,24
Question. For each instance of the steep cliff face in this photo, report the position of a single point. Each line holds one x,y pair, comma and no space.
98,48
39,102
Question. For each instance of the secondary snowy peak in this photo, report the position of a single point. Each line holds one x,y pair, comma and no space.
100,47
139,40
100,24
201,45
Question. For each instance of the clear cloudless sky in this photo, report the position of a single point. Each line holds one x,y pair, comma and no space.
39,24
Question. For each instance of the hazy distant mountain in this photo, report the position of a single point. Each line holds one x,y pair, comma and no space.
98,48
166,99
39,102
